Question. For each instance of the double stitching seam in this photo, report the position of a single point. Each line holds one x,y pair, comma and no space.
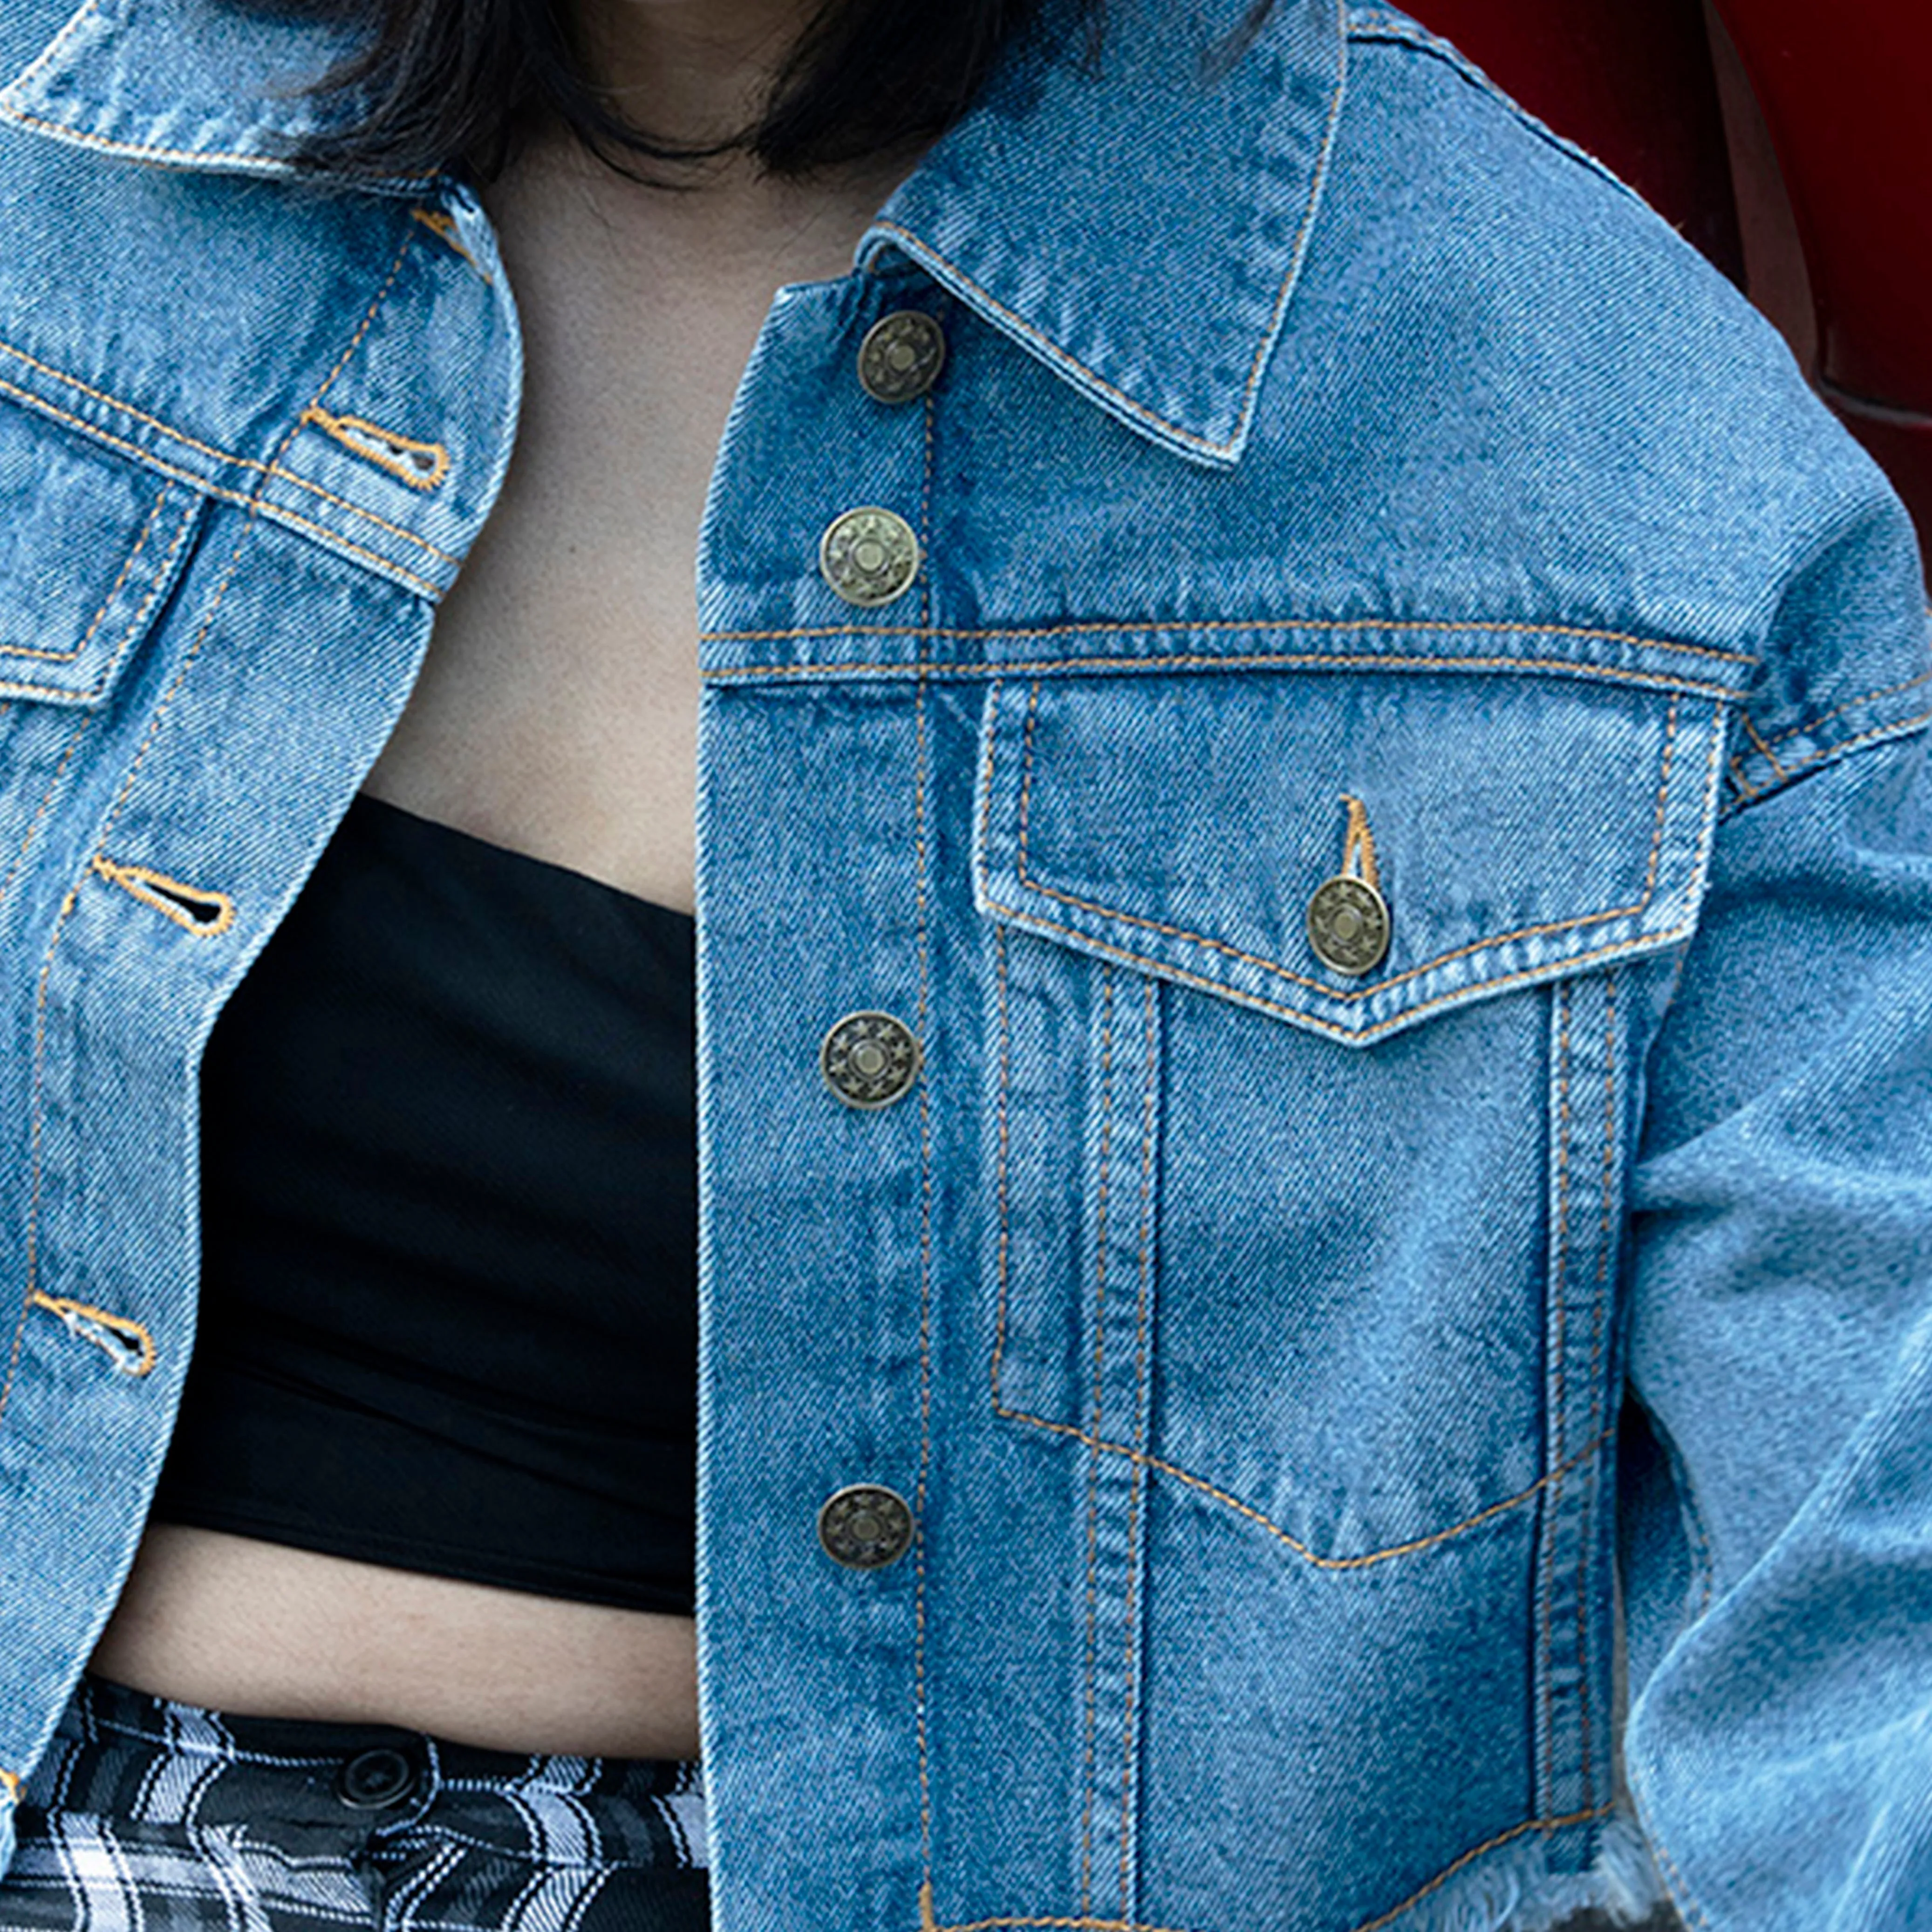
1064,1924
1276,967
1313,660
1606,1239
68,751
36,1131
107,603
1830,754
1002,1252
275,512
271,468
1182,977
162,575
921,862
1546,1825
1089,1765
1137,1473
1811,724
1369,1559
253,164
1622,949
135,623
1560,1290
1220,626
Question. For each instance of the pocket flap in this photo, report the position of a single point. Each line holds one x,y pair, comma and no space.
90,545
1517,828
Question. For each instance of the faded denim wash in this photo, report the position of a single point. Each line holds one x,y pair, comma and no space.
1282,1366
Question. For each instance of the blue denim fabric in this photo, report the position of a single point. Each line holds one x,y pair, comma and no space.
1286,1368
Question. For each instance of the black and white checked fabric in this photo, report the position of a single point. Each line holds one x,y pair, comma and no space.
152,1816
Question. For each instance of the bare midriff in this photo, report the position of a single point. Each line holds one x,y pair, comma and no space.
245,1627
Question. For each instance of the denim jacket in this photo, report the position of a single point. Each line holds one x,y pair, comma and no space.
1412,1418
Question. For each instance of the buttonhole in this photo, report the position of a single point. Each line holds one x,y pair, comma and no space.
126,1343
203,913
422,465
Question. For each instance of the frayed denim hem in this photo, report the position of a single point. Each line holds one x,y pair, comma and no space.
1510,1891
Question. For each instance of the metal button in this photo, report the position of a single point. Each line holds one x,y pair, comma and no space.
869,1059
1348,926
866,1527
868,555
373,1780
901,356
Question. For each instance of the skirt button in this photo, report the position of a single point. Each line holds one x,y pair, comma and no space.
373,1780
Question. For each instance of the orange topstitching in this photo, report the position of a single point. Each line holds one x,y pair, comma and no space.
157,890
277,512
1559,1292
1143,1282
920,780
271,468
1276,967
1837,711
1102,1177
1213,626
113,591
123,1325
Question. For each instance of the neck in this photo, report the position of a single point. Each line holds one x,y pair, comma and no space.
693,72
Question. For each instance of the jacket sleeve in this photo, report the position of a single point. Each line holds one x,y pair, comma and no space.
1777,1505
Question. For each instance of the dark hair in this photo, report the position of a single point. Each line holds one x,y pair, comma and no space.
456,81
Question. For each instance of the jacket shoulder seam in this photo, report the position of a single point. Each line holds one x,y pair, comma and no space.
1367,25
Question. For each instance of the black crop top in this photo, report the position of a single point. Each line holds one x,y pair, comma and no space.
449,1228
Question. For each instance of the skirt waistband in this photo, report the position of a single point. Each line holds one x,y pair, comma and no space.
119,1752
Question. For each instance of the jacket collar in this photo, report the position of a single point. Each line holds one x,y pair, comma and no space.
1135,225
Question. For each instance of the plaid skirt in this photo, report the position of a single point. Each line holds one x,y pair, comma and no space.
147,1816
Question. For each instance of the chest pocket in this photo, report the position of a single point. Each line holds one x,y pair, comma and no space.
1300,1263
90,546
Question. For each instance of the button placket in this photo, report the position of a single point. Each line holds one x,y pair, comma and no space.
869,1061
